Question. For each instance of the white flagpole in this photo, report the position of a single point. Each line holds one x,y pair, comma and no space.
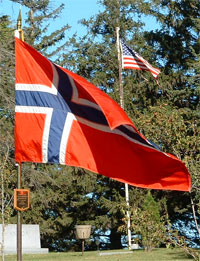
122,106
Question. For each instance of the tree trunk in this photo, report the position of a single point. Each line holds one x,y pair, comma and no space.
194,215
115,239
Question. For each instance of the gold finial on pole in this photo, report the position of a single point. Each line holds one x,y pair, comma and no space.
19,20
19,33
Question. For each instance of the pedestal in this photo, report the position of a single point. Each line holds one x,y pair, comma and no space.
30,239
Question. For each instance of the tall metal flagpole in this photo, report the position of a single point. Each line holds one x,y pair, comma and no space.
19,34
19,218
121,92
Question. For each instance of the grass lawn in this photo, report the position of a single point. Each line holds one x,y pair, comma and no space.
155,255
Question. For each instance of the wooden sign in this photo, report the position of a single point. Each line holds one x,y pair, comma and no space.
21,199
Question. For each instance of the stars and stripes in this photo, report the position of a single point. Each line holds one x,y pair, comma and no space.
132,60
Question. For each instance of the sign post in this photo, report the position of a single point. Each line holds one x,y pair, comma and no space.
21,203
19,217
20,34
21,199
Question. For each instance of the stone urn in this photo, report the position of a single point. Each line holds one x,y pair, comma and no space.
83,232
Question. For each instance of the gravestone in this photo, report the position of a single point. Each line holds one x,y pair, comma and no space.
30,239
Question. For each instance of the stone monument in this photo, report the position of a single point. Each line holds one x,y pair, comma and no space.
30,239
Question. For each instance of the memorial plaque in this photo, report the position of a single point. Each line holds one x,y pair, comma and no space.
21,199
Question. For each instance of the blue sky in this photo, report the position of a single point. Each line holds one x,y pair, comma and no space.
73,12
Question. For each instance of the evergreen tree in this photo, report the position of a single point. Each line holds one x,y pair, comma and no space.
40,15
7,64
147,223
7,167
176,44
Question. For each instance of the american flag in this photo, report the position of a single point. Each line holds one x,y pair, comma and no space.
132,60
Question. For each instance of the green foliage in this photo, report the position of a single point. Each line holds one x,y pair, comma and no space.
176,44
147,223
39,18
176,131
7,167
7,64
179,31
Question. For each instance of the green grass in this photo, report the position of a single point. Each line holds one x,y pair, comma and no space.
154,255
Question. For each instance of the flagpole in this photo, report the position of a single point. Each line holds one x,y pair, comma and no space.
19,217
19,34
121,92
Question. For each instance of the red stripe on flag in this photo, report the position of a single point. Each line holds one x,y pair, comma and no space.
29,136
41,70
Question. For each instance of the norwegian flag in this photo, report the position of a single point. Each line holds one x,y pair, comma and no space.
132,60
62,118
